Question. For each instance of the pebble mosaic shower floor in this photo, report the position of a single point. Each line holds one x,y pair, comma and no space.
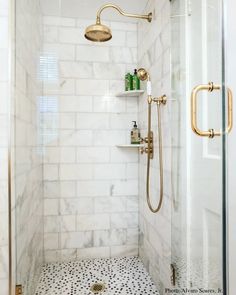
120,276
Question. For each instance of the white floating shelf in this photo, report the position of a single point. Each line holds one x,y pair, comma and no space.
131,93
130,145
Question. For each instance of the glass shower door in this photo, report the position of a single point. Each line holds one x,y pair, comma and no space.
198,152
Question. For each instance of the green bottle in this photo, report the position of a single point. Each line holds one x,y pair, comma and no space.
136,81
128,82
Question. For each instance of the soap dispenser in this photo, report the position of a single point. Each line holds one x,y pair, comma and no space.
135,134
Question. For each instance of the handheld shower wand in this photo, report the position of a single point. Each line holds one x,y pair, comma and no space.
144,76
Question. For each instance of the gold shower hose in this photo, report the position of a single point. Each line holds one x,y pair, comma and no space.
159,101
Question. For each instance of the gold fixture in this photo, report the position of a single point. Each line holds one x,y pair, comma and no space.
160,100
149,149
19,290
98,287
173,274
144,75
210,87
101,33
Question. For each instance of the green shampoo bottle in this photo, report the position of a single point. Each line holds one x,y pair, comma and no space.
136,81
128,82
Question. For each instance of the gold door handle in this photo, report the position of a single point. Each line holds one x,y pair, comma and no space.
210,87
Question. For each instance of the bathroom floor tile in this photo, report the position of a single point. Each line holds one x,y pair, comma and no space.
123,276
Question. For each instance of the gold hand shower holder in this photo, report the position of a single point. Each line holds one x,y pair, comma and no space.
149,150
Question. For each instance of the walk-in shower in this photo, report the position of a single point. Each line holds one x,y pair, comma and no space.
78,195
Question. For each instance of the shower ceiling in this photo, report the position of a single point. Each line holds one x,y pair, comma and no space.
85,9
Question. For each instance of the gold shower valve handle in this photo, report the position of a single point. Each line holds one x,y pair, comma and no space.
160,100
145,140
210,87
149,149
145,150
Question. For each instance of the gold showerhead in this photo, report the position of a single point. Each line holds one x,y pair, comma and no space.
101,33
98,33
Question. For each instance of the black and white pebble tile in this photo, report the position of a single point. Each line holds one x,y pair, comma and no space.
120,276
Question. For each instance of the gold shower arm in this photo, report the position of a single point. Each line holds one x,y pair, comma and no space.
148,17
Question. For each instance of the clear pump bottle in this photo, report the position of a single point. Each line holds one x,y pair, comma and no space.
135,134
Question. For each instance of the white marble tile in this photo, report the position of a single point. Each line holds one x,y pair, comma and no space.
132,204
51,189
95,252
51,206
51,241
51,172
93,188
101,238
76,239
69,35
50,34
76,104
93,222
110,171
109,70
75,138
118,237
51,224
93,155
67,155
133,236
92,53
125,187
92,87
68,223
124,220
60,51
92,121
71,69
50,8
119,251
70,206
59,21
76,172
123,54
67,189
107,104
108,137
52,255
68,255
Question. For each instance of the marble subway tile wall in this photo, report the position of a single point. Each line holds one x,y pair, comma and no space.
4,97
155,229
90,185
27,162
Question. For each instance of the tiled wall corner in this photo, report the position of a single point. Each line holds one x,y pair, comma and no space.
27,163
155,229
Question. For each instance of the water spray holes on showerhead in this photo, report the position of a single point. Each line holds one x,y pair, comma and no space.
98,288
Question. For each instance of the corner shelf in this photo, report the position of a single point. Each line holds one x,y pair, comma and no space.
131,93
129,145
